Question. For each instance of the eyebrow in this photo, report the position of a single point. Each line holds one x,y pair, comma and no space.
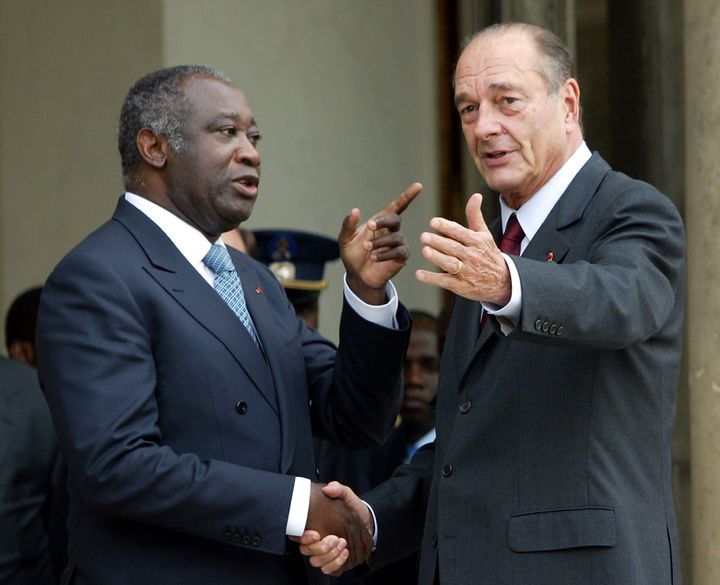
501,86
232,116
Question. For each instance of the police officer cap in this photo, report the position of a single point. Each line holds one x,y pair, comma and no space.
297,259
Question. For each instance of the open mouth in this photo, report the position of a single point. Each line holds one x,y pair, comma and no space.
248,181
495,154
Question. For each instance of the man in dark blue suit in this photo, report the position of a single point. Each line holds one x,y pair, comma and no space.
184,390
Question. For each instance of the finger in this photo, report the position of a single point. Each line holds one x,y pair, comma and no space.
387,223
402,201
308,537
334,489
323,558
454,231
323,547
473,212
335,568
441,280
349,225
446,246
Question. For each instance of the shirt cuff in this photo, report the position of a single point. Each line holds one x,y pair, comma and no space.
299,506
375,530
510,313
383,315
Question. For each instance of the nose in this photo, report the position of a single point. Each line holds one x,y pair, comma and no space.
247,154
413,373
486,124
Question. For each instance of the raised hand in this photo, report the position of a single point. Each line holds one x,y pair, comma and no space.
472,265
375,251
331,553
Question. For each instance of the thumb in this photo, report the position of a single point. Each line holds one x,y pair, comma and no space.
474,215
334,489
349,225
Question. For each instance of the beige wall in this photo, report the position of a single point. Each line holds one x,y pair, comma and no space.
344,92
64,67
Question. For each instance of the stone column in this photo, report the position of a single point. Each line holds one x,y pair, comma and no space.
702,87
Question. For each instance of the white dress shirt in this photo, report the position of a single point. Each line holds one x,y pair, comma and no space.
193,245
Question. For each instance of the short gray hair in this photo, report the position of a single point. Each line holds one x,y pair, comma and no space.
157,102
556,62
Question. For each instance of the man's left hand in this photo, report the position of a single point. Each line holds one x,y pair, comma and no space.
375,251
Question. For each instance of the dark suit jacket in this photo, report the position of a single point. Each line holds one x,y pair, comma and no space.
552,459
30,479
181,440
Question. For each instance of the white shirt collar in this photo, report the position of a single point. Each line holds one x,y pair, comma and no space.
191,243
533,213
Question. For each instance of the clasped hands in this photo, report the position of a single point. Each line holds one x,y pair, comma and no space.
338,534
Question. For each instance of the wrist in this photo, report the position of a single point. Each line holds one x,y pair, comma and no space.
368,294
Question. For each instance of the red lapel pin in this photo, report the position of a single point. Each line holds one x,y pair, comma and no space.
258,290
550,256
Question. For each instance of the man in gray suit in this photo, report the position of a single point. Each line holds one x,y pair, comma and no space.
554,415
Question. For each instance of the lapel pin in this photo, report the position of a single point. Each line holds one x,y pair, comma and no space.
550,256
258,290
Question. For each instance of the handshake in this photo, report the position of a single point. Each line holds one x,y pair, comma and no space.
338,534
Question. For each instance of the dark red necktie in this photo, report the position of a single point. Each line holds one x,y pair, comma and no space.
510,244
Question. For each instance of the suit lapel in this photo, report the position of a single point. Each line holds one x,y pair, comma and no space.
182,282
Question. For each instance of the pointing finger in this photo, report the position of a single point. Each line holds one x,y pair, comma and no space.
402,201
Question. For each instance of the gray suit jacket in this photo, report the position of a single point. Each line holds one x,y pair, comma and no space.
552,459
29,478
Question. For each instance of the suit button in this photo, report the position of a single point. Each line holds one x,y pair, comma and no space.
447,470
317,473
236,539
559,330
256,541
246,540
434,540
465,407
553,328
227,536
538,324
241,407
545,327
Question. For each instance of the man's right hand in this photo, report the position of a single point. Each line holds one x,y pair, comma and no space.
325,539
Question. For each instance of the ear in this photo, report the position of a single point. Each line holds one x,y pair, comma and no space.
23,351
154,149
570,92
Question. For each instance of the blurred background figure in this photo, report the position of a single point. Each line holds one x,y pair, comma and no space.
298,260
20,326
33,499
241,239
365,468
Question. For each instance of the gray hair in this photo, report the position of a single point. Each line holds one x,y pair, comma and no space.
556,63
157,102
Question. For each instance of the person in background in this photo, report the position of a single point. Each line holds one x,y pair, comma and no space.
415,427
298,259
184,389
33,499
558,382
20,323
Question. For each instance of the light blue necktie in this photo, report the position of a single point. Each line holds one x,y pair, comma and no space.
227,285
